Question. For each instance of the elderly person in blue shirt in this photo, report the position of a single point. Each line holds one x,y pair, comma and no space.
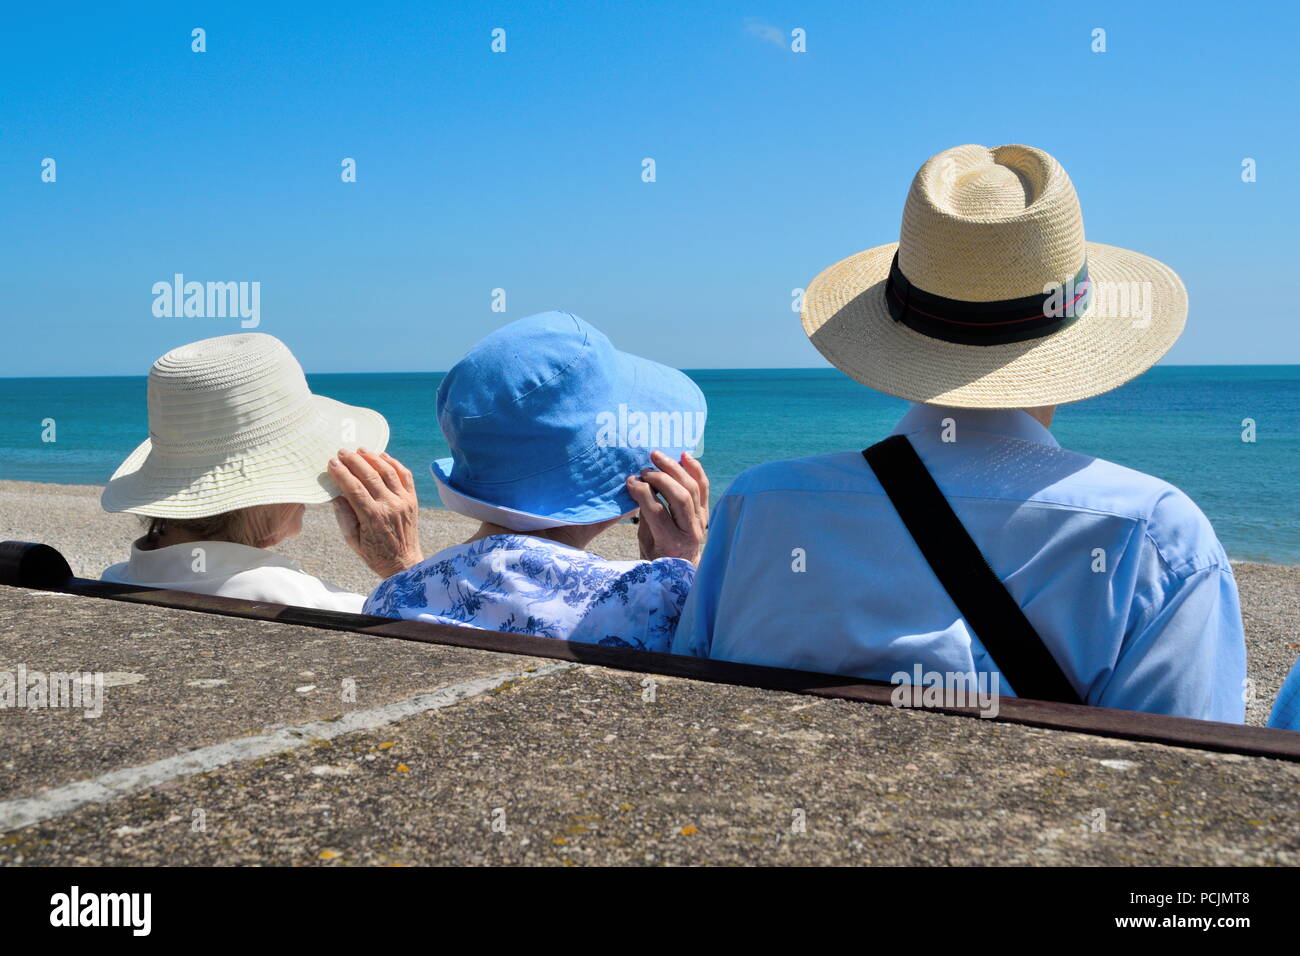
991,311
555,436
1286,709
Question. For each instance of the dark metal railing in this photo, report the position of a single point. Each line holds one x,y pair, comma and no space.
41,567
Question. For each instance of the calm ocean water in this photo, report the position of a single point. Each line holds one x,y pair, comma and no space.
1181,423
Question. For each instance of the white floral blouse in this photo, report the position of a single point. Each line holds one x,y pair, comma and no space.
529,585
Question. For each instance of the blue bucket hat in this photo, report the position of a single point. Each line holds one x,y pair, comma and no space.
546,420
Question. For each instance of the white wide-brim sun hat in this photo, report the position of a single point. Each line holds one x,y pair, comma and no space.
992,298
232,424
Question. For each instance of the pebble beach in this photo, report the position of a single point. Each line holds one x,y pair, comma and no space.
69,518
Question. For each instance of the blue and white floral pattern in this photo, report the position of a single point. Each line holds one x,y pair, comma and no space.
529,585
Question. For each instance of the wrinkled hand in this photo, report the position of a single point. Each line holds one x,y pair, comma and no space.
678,530
379,512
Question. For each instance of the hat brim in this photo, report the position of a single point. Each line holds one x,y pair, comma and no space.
291,471
846,317
511,518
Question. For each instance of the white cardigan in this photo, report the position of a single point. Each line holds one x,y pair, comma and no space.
231,570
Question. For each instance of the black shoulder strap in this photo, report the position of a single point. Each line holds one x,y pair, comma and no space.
961,568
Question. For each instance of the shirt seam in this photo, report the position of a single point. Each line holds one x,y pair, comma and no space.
1137,519
1187,568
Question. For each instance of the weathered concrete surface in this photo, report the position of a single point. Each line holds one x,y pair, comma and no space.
578,767
267,669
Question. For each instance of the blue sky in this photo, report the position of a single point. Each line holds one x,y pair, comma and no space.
522,170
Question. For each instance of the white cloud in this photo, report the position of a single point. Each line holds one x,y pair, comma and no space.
764,31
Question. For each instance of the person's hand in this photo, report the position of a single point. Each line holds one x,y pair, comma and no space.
379,513
678,530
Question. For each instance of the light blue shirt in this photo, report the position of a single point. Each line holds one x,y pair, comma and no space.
1286,709
809,566
529,585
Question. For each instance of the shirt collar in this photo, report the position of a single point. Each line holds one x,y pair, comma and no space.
219,558
1003,422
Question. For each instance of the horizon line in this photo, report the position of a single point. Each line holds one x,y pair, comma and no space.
719,368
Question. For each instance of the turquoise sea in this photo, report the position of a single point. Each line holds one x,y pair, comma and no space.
1181,423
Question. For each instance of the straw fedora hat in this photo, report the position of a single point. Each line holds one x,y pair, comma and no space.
992,298
232,424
